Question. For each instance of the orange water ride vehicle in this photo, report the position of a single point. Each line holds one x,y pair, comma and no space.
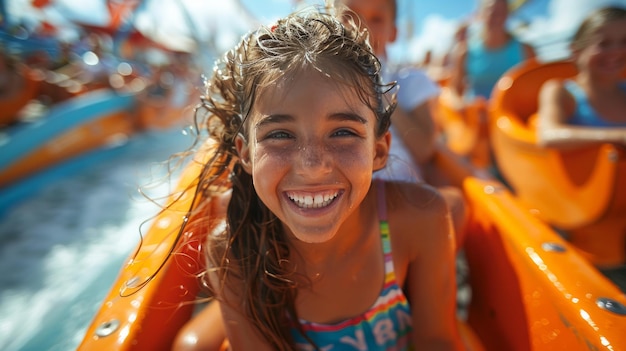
581,191
64,118
464,125
92,120
531,290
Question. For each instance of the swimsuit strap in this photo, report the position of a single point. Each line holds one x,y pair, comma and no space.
384,229
386,325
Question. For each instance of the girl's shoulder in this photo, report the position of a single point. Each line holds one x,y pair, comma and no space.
416,211
416,198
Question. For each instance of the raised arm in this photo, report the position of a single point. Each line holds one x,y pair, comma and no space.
556,105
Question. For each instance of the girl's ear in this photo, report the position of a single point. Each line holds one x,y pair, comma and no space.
244,153
381,151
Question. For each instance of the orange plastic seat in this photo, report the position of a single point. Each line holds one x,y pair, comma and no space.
582,191
530,290
464,126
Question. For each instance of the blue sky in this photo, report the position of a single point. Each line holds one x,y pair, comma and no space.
429,25
420,9
221,23
417,15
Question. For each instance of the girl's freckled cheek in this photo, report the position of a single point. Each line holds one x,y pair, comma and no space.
351,153
274,155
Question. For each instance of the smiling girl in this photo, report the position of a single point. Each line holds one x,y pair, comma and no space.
315,254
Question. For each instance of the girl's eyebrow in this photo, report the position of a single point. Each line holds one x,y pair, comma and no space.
347,116
340,116
271,119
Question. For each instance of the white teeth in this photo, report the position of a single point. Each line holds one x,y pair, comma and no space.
312,201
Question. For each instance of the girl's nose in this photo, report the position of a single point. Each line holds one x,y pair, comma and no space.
313,160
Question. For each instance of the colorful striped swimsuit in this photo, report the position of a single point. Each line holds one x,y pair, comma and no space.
385,326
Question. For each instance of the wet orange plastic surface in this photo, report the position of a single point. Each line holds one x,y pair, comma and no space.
524,295
582,191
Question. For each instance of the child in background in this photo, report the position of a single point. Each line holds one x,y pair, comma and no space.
413,129
481,56
316,254
590,108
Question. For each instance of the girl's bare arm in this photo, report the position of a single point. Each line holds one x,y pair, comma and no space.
241,334
556,105
430,278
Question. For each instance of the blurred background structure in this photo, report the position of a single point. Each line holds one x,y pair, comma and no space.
153,32
209,27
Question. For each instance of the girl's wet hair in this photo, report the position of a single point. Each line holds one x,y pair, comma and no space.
253,250
597,19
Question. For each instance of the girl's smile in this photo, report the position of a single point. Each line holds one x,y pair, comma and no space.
313,200
311,151
299,114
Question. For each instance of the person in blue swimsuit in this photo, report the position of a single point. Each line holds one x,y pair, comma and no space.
591,107
314,254
485,51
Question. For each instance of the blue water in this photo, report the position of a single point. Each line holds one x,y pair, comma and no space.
61,249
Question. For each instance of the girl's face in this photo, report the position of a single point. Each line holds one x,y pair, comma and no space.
311,152
606,53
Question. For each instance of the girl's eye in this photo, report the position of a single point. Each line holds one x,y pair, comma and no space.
279,134
344,132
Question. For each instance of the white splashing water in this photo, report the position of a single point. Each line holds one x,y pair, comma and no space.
61,250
